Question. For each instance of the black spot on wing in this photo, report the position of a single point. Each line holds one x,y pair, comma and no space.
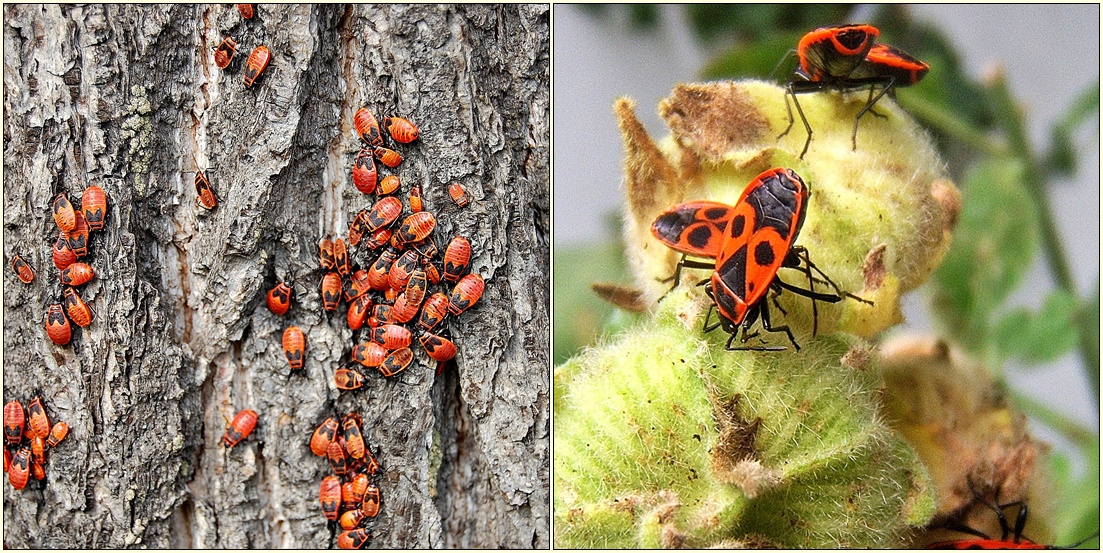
763,254
733,272
699,235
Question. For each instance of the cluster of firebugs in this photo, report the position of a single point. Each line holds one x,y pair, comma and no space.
390,302
30,435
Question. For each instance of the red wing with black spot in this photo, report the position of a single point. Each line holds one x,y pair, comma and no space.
694,228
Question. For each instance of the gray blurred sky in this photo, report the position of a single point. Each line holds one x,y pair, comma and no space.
1050,54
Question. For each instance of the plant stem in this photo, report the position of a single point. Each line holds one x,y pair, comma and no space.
1011,120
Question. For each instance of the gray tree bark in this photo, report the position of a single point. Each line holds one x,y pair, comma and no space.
128,97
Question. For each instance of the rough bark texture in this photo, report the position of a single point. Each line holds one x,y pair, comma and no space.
128,97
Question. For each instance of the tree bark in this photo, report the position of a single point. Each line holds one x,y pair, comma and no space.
128,97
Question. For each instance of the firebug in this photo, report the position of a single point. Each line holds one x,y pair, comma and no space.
279,298
57,325
331,291
78,311
459,195
466,292
329,495
93,203
456,258
354,539
379,272
387,156
63,254
337,459
77,273
14,420
57,433
382,314
415,199
348,379
415,228
257,62
369,354
396,362
78,237
351,519
403,310
358,311
325,255
38,450
64,214
439,348
370,503
246,10
22,269
389,185
294,342
391,336
204,194
383,213
224,52
354,441
400,129
367,127
379,238
340,256
38,424
323,435
402,269
364,175
433,311
352,492
240,428
20,468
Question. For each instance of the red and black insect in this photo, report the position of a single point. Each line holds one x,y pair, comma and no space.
396,362
337,459
383,213
433,311
279,298
325,255
415,199
57,325
14,420
459,195
57,433
369,354
983,541
7,459
257,62
38,423
357,227
439,348
354,441
77,273
331,291
348,379
323,435
240,428
370,504
457,256
414,228
367,127
20,469
78,237
204,194
364,175
340,256
391,336
431,271
38,450
64,214
387,156
358,311
845,58
352,518
750,245
63,254
382,314
401,129
93,203
354,539
352,492
402,269
358,285
379,272
403,310
329,494
78,311
224,52
466,292
294,343
246,10
389,185
379,238
22,269
415,289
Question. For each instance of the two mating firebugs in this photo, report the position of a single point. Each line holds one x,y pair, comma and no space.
749,242
847,58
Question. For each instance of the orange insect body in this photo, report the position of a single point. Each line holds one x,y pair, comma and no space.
415,199
78,237
467,291
323,435
439,348
331,291
352,493
379,238
358,286
63,254
389,185
383,213
387,156
382,314
456,258
358,227
257,62
340,256
348,379
77,273
415,228
14,420
22,269
358,311
64,214
38,424
369,354
371,501
38,450
57,325
354,441
325,254
246,10
337,461
240,428
431,271
367,127
433,311
329,495
403,311
204,194
351,519
294,342
57,433
459,195
379,272
279,298
364,175
391,336
20,469
401,129
396,362
93,203
224,52
78,311
402,269
354,539
38,471
370,464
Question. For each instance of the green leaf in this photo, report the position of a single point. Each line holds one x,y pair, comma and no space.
994,243
1079,499
1062,154
1042,336
1088,320
579,315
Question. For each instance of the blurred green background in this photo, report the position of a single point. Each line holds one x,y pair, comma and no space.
1020,287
